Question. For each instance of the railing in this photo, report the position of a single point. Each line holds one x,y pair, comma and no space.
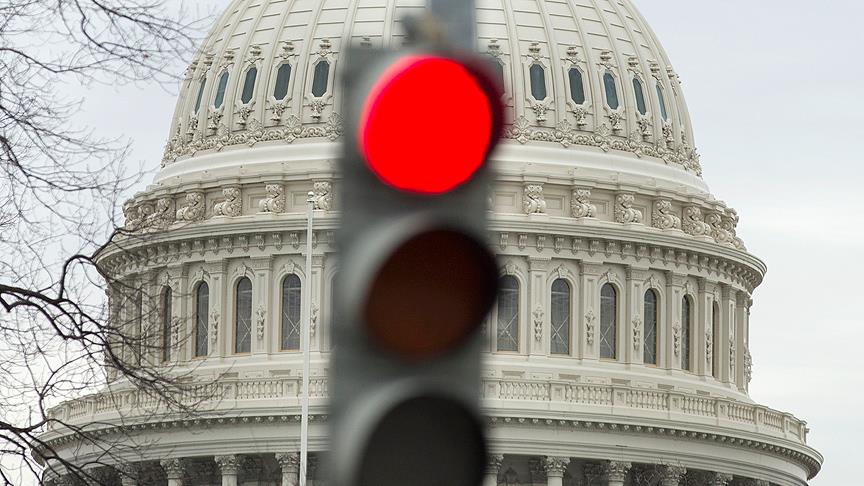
252,394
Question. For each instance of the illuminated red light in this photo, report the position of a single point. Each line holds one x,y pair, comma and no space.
428,125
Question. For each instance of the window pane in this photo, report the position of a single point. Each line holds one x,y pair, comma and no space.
202,308
200,95
166,325
322,76
611,91
650,337
243,319
685,333
577,87
220,90
640,96
538,82
283,78
508,314
560,317
608,321
663,112
249,85
291,305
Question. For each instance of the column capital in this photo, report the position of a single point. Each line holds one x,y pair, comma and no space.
718,479
173,468
228,464
616,470
493,463
289,461
555,466
671,475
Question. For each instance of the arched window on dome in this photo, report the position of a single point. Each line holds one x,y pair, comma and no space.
611,88
291,305
220,90
243,316
608,322
249,85
200,97
686,333
662,99
537,74
508,314
715,321
166,324
283,81
202,309
651,309
577,86
560,317
640,96
321,79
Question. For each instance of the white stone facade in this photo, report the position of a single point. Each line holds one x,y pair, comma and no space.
584,194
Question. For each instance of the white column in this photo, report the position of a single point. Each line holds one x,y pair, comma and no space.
616,473
493,467
173,470
741,315
671,475
229,466
555,468
290,464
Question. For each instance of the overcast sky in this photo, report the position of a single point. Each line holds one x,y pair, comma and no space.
775,91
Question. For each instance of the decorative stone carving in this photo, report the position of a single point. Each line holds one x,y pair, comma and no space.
232,206
694,223
581,116
313,320
671,475
533,201
132,215
730,224
676,338
323,197
645,125
624,211
748,365
709,347
616,470
493,463
555,466
275,200
580,203
194,208
663,217
538,323
718,232
637,333
261,321
214,327
589,327
718,479
616,120
228,464
173,468
668,134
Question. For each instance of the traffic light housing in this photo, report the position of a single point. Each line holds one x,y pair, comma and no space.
416,278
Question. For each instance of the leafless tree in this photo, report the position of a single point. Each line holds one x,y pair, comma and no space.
59,189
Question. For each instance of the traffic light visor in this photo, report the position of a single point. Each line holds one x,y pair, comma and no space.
429,124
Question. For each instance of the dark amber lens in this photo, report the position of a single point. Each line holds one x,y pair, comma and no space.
431,294
425,441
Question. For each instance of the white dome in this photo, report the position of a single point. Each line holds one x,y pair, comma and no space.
569,47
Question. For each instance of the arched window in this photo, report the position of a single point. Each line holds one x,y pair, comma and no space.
650,336
508,314
202,308
560,317
321,79
200,94
608,321
220,90
686,332
611,91
283,79
577,86
640,96
243,317
249,85
166,324
538,81
663,112
715,321
291,305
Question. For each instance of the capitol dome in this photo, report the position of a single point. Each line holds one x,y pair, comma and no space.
618,351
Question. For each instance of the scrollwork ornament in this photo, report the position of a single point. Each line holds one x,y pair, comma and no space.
694,222
538,323
663,217
275,200
676,339
193,210
580,204
261,321
323,195
637,333
589,326
232,206
625,213
214,327
533,201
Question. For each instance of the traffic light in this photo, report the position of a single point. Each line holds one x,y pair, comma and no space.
417,278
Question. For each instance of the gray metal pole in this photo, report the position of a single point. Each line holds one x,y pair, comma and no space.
304,344
459,20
